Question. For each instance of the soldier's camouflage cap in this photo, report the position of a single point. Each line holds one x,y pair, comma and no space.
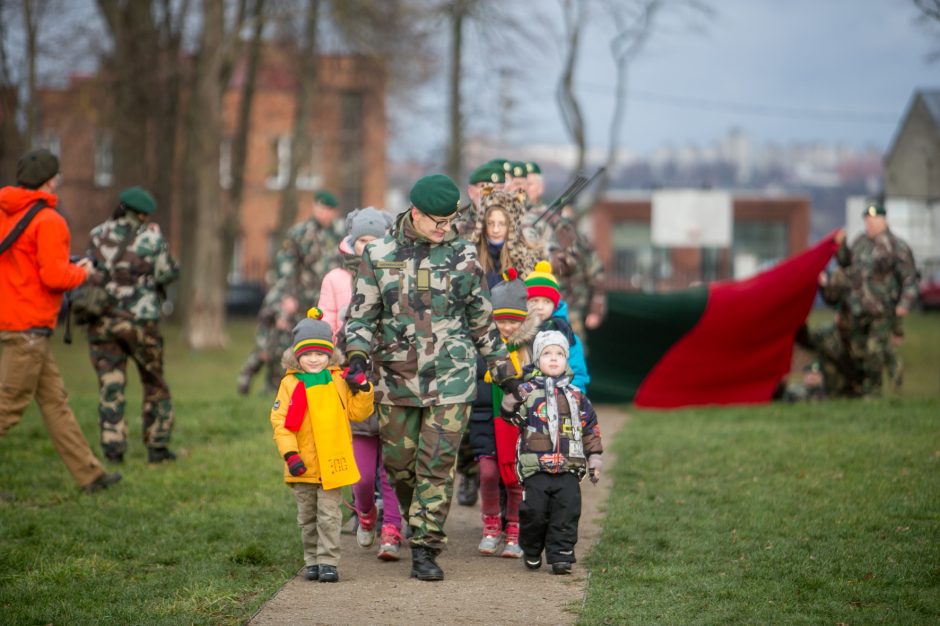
489,172
138,199
436,195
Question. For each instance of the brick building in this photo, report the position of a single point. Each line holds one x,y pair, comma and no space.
347,132
764,231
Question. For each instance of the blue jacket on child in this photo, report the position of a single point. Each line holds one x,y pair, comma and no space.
559,321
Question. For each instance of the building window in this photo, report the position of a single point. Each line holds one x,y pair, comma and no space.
351,138
225,163
308,175
50,141
104,159
757,245
633,257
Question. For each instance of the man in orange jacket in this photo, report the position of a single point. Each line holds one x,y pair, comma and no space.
34,274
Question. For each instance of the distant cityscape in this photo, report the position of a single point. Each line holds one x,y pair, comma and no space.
826,174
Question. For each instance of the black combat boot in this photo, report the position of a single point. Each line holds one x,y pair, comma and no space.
423,566
160,455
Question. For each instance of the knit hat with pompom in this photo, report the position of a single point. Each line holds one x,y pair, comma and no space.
509,297
542,283
312,334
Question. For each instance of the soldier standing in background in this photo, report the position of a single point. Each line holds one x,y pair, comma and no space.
308,252
421,308
259,357
886,283
135,266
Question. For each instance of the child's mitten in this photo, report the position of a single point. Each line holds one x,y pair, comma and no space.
595,463
295,464
357,381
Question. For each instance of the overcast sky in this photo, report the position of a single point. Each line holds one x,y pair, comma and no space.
840,71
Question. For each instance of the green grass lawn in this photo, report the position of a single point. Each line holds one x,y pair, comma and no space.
205,540
820,513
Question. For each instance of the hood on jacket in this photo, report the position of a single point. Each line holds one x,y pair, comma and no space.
526,331
289,360
15,200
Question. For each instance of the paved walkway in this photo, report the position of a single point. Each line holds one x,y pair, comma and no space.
475,590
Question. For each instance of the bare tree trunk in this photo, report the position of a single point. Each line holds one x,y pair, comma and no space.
134,84
575,16
31,22
169,78
455,115
300,142
240,140
204,268
10,138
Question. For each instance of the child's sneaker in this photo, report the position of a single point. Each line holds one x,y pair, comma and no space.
511,549
389,543
561,568
491,534
328,574
365,534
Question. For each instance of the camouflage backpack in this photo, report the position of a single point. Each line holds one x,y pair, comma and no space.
91,300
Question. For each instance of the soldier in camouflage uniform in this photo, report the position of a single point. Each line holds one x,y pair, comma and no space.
135,266
309,251
259,356
421,308
884,287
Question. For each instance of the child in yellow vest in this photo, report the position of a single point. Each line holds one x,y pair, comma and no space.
311,428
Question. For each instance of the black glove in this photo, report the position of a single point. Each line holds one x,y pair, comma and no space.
511,386
355,374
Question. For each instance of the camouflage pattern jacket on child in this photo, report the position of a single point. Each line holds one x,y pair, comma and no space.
558,427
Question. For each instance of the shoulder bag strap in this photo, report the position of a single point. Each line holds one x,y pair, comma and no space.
21,225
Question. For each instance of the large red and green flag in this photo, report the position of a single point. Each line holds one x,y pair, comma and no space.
725,343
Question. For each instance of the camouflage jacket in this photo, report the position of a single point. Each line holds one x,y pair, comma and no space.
308,252
553,440
885,266
422,310
136,280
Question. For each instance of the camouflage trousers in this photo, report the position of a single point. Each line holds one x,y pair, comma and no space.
257,359
419,447
869,347
111,341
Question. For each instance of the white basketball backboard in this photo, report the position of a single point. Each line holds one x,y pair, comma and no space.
692,218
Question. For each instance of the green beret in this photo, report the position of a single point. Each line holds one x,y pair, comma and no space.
519,170
503,163
436,195
138,199
36,167
875,208
533,168
325,197
489,172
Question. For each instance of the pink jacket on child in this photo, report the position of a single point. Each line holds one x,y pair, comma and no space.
336,293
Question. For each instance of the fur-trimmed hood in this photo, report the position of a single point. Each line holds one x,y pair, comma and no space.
289,360
522,254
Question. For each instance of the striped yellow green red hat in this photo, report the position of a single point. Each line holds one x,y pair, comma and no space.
542,283
312,334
